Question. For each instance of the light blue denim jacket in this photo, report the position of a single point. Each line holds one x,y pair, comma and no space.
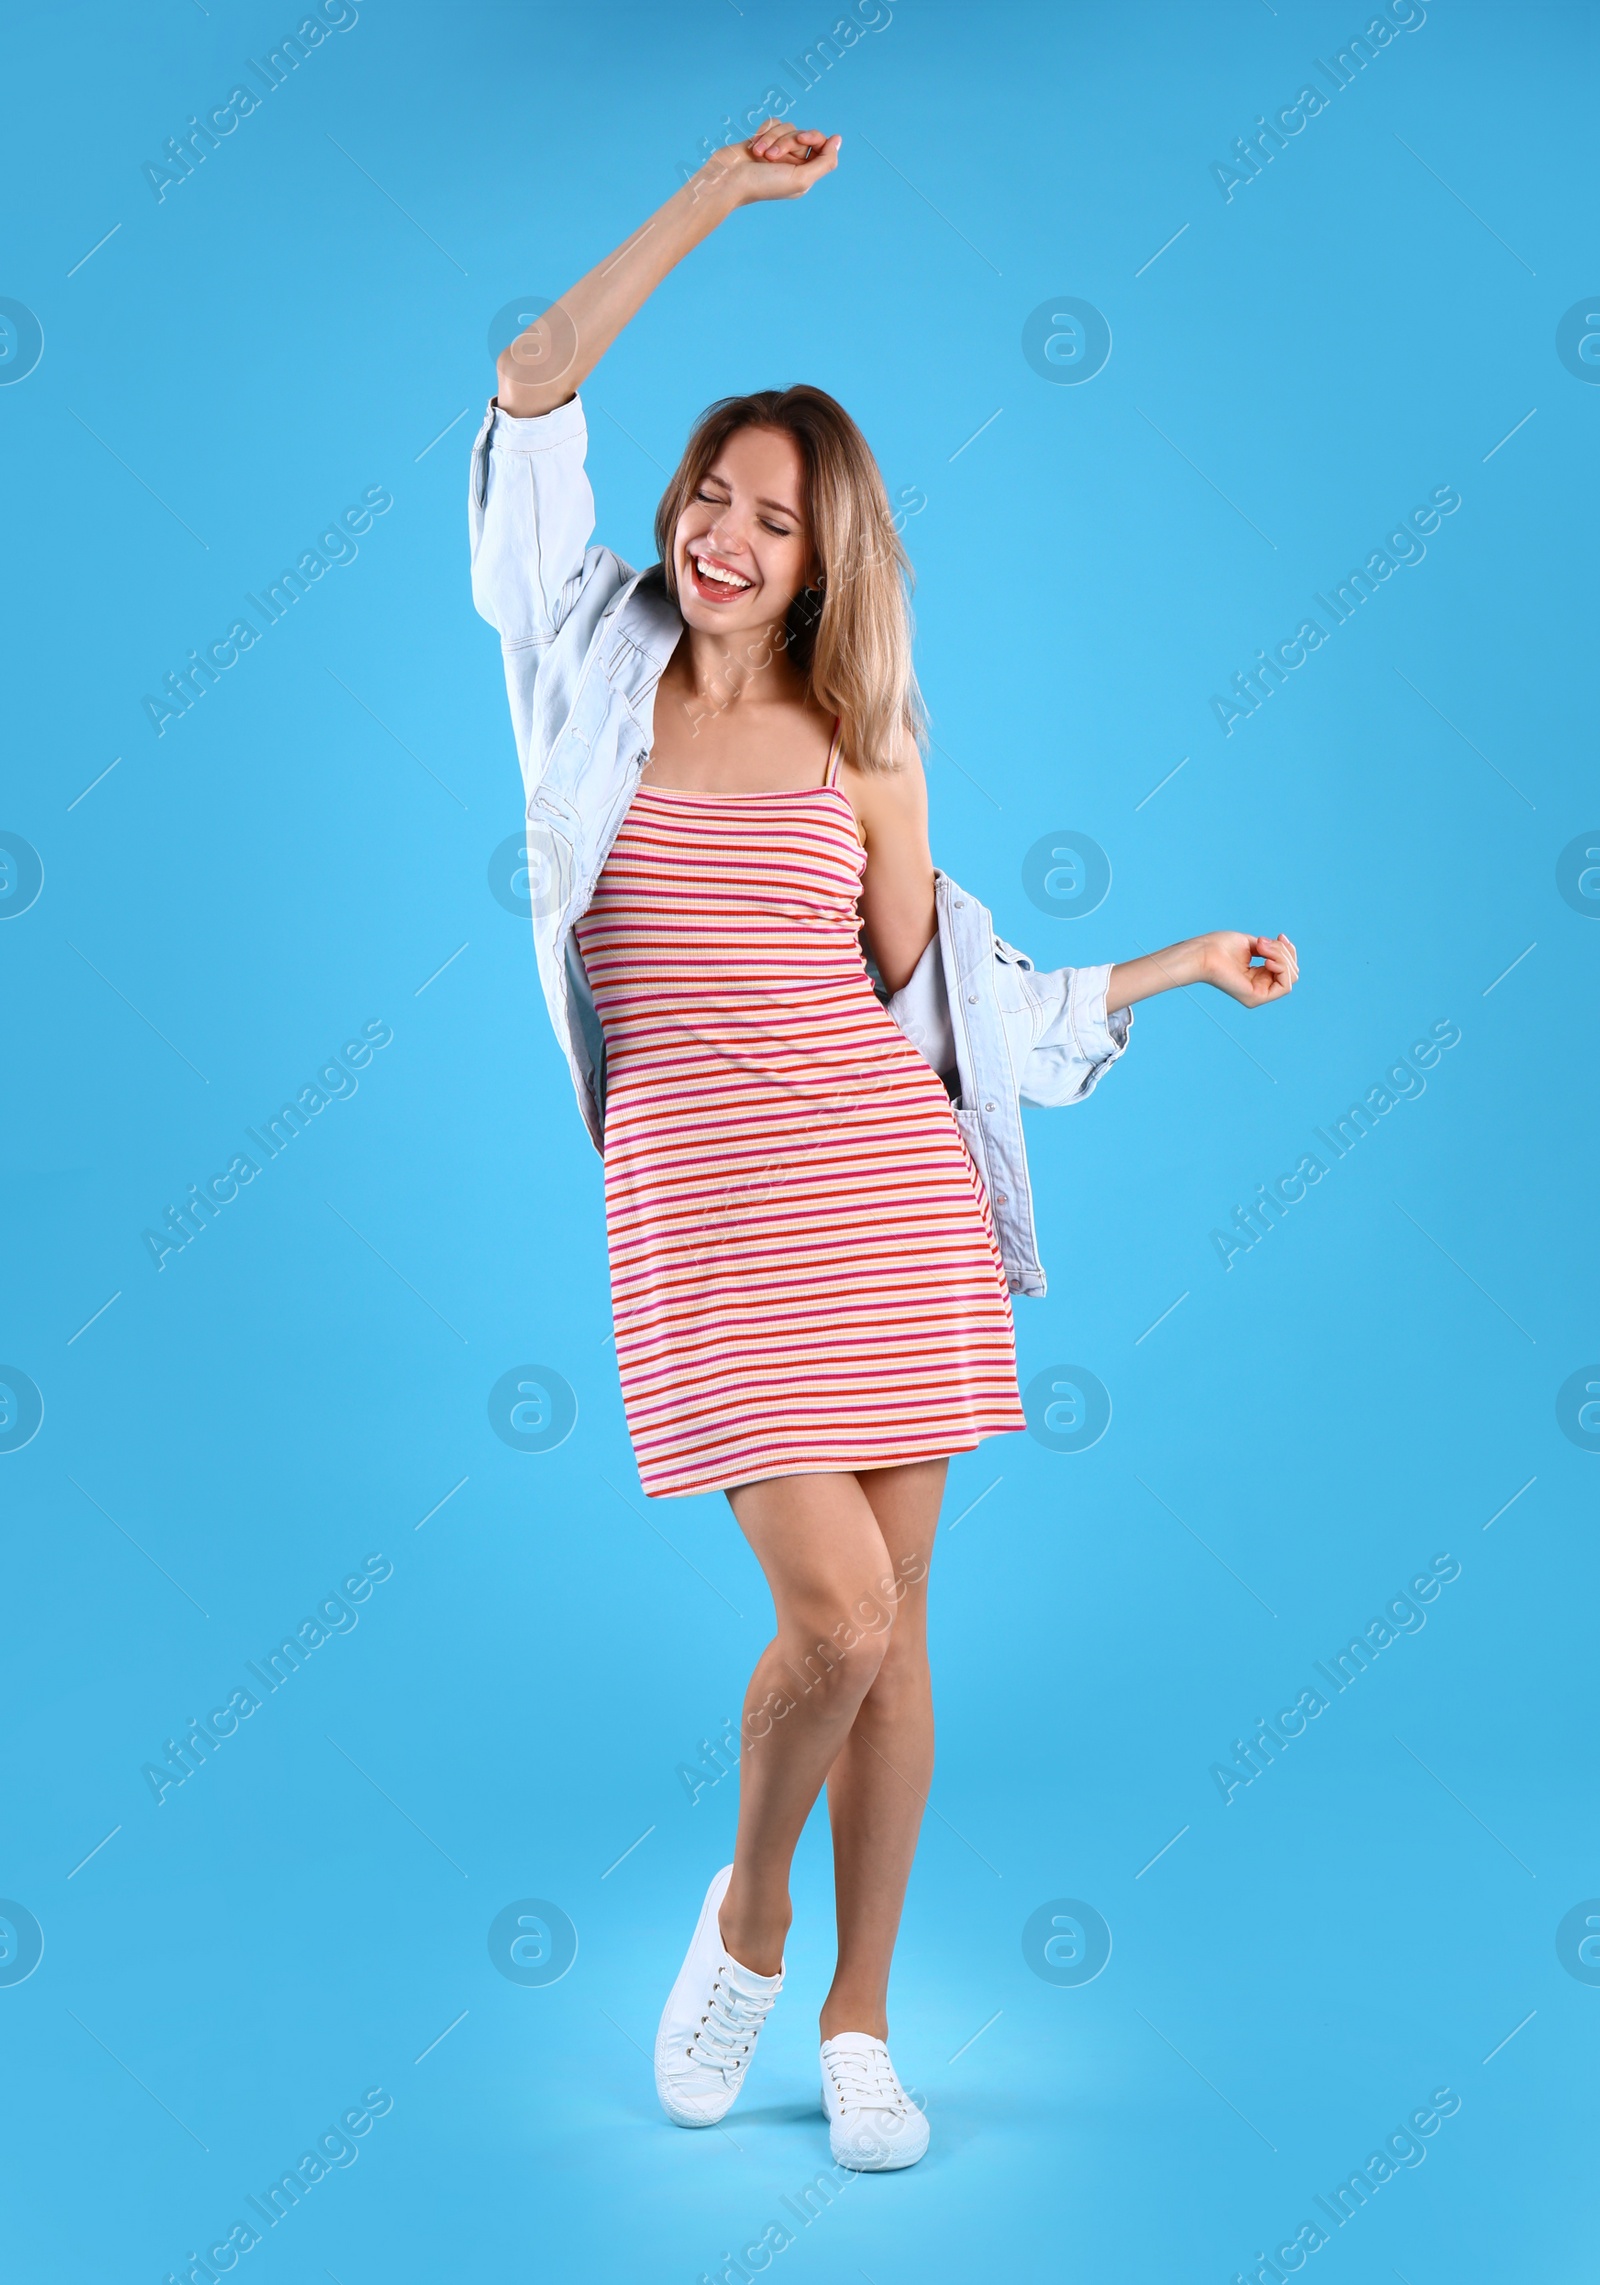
584,640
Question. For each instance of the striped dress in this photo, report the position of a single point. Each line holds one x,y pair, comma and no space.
804,1275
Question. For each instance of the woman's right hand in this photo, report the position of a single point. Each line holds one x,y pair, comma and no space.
778,162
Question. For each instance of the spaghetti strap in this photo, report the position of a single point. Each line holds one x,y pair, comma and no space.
835,753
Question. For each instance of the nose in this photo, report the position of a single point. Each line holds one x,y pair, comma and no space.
725,536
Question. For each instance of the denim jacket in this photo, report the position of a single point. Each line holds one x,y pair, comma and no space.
584,639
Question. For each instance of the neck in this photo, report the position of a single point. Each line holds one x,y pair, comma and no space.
752,668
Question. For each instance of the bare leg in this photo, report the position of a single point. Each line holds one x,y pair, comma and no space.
879,1782
817,1539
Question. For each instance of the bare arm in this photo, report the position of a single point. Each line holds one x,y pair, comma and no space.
546,365
1250,969
899,915
897,906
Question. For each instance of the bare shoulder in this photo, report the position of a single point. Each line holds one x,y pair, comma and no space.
892,802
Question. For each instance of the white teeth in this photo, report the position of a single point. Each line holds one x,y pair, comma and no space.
711,571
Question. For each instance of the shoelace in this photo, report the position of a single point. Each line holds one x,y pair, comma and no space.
867,2082
728,2028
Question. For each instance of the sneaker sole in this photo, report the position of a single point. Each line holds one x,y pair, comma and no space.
887,2163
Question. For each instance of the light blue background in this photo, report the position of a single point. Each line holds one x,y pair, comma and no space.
1366,1389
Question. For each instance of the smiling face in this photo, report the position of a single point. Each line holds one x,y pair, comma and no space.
741,552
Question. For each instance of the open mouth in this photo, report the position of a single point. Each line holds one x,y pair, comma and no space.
713,582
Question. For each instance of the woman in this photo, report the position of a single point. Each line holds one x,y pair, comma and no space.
815,1190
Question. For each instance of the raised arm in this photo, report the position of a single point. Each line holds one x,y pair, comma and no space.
547,364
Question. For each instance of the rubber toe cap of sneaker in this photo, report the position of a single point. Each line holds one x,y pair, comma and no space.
868,2150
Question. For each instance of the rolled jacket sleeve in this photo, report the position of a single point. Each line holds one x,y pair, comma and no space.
1075,1040
530,516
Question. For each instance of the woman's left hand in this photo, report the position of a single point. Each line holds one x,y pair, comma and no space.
1250,969
780,161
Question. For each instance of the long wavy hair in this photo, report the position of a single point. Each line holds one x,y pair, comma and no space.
850,634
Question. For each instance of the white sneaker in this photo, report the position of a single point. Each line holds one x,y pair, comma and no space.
711,2022
873,2125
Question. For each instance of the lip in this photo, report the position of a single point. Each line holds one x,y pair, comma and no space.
710,590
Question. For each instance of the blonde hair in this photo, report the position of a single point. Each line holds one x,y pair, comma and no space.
850,636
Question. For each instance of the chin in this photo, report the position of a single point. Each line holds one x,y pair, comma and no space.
718,619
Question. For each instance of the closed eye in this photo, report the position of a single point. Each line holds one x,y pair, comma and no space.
723,500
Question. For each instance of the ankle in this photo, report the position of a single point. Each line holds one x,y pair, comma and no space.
845,2015
755,1940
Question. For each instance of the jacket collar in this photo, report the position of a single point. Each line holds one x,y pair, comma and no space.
644,632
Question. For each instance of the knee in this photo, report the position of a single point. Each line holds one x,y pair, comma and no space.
901,1679
841,1636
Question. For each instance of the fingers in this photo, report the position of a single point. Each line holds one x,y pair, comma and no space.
1255,969
776,141
826,155
1280,963
792,146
